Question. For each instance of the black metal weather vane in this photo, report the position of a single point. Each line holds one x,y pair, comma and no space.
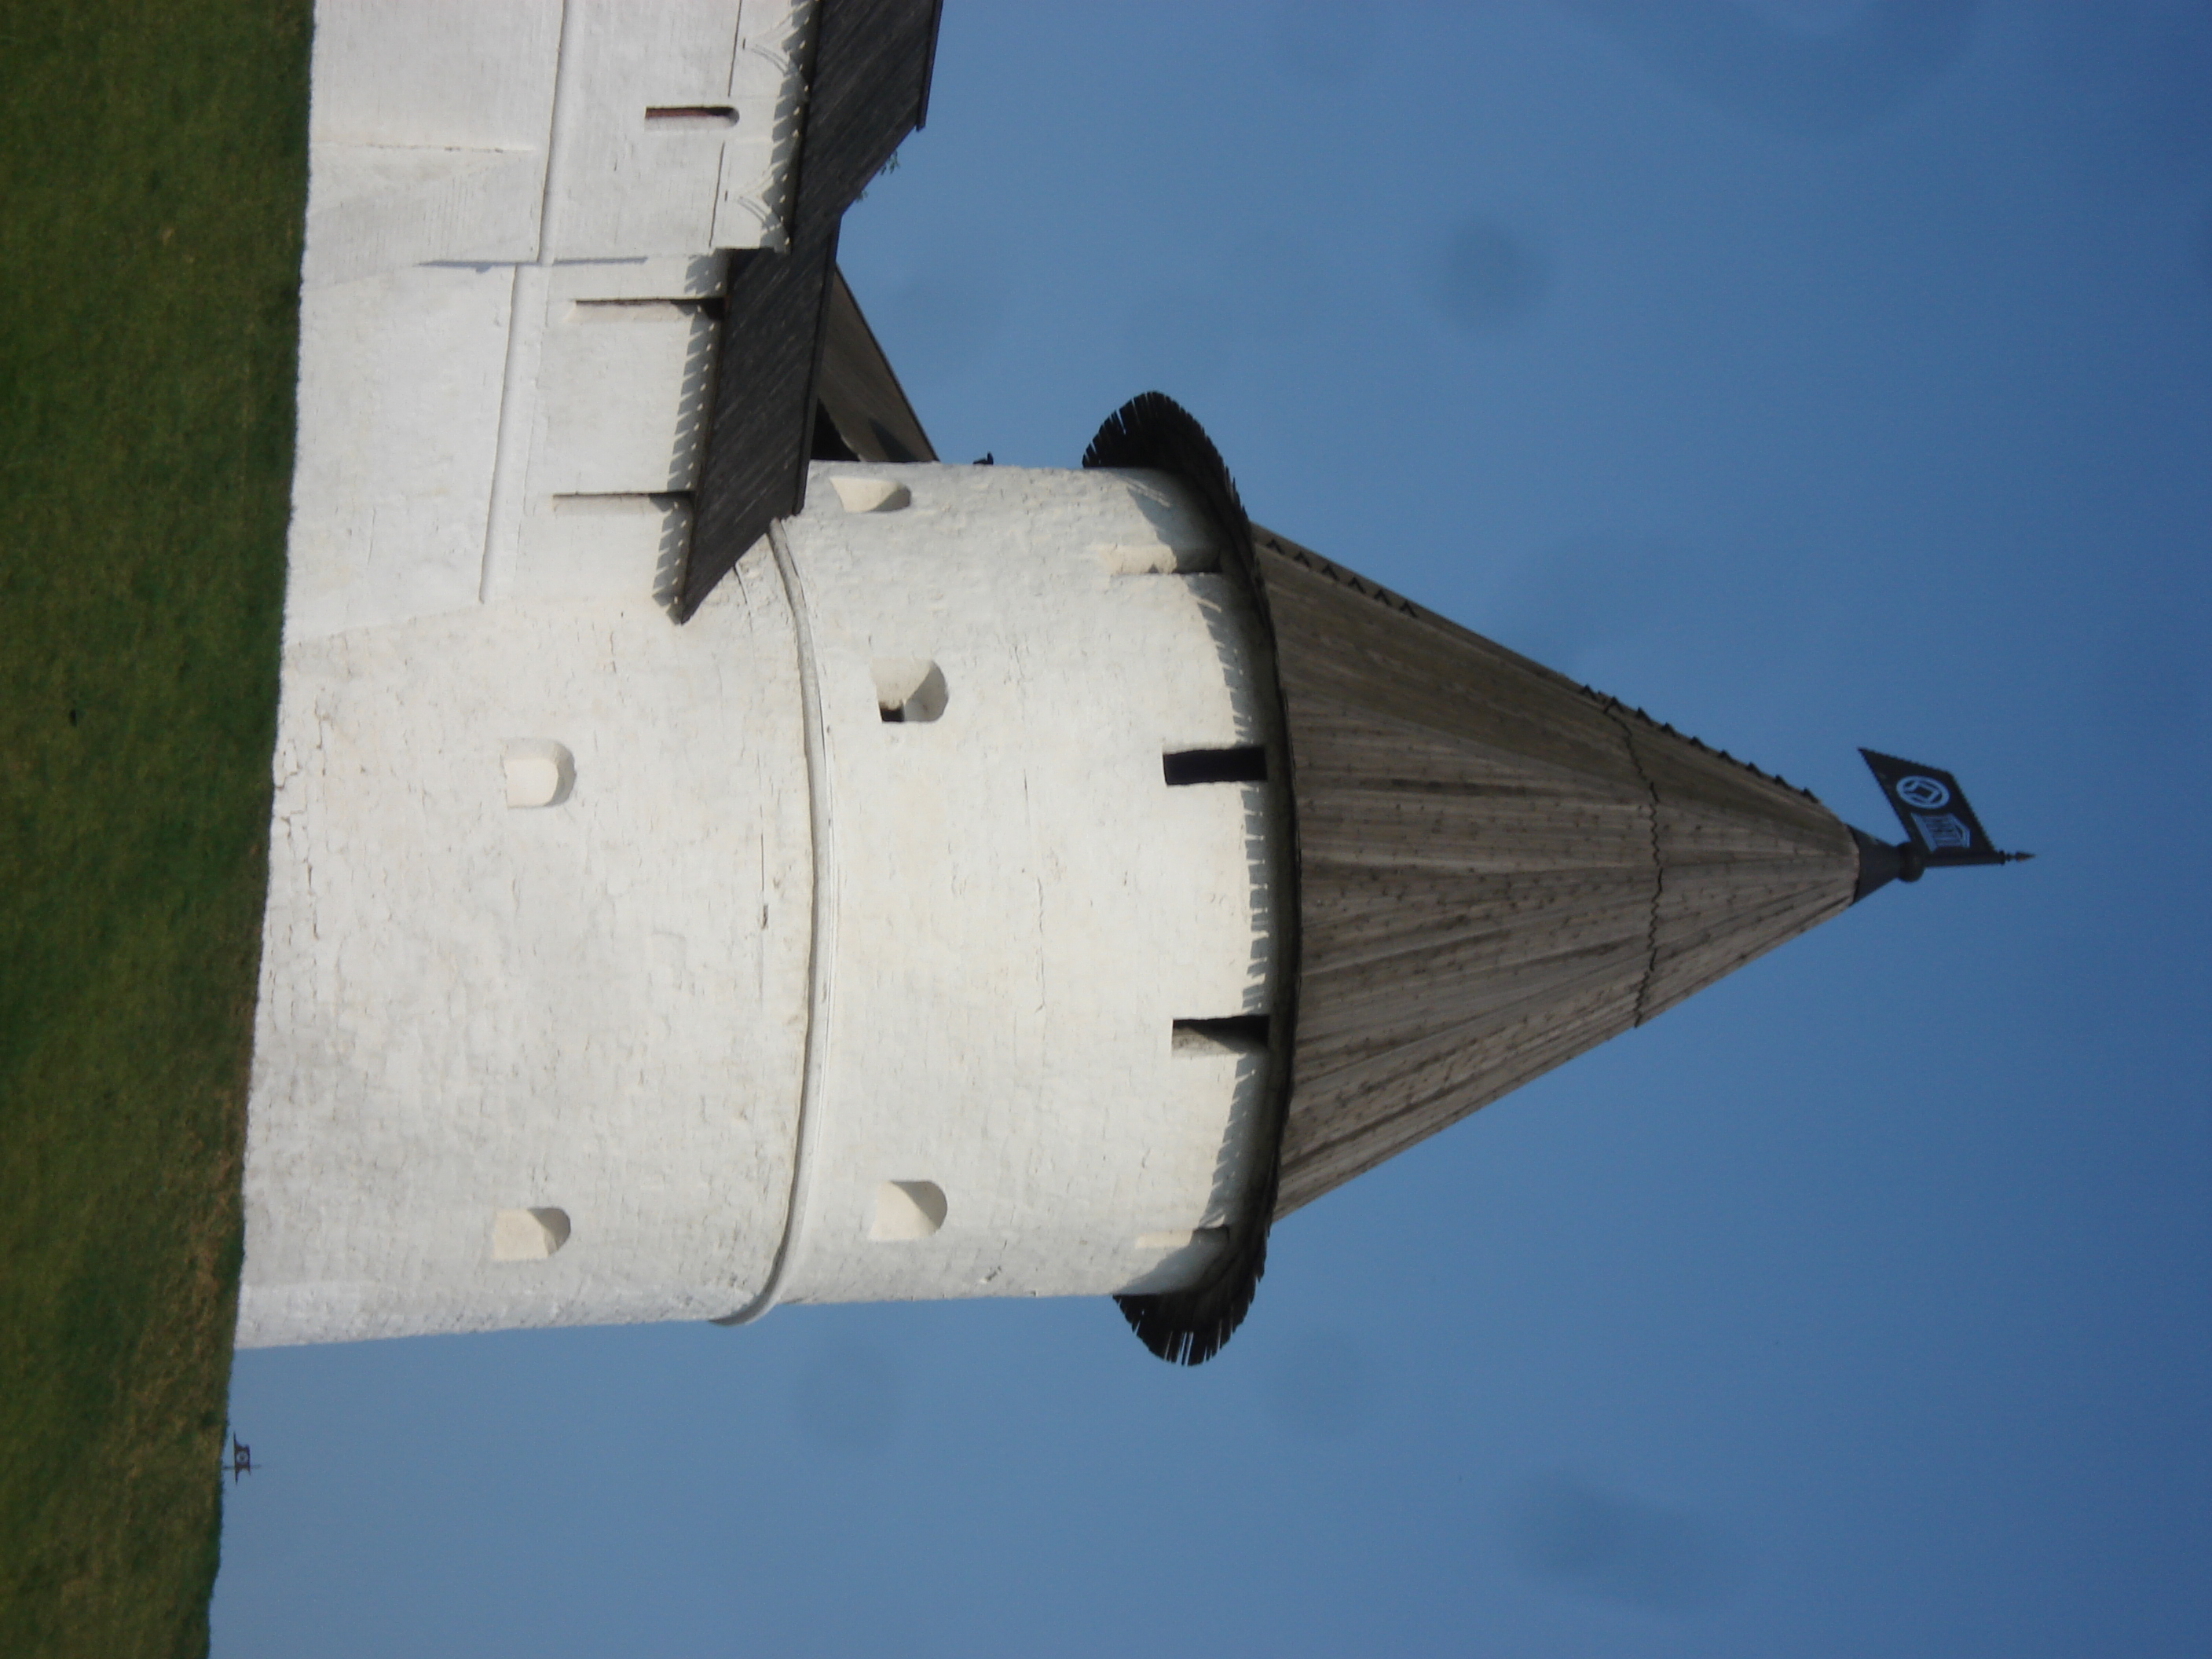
1941,829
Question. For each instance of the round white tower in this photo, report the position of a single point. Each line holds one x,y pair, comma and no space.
907,925
1002,883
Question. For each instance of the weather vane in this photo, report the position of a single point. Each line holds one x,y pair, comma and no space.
1940,829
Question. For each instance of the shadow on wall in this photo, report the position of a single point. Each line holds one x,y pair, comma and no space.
1804,83
1596,1545
694,407
674,551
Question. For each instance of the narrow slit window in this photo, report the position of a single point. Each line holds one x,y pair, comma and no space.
1238,1034
624,503
704,117
1247,764
673,309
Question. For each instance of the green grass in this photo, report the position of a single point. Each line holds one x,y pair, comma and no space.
152,178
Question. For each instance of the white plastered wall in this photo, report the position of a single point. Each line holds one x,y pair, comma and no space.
481,1023
596,1006
507,131
523,1064
1021,908
520,217
533,1065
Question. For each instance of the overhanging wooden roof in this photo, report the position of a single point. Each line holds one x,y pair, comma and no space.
1495,870
1498,868
858,392
868,88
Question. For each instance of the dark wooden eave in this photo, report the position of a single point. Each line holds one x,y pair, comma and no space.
858,392
869,87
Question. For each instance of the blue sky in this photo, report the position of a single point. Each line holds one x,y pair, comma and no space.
1812,375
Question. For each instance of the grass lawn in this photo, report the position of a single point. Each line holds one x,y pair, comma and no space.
152,178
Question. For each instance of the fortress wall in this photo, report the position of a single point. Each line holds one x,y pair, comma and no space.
521,216
539,975
485,1022
509,131
470,1007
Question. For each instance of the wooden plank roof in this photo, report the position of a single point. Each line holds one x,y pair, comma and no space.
1496,869
868,89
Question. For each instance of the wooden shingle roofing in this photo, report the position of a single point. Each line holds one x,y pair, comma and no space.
1495,869
868,88
1498,868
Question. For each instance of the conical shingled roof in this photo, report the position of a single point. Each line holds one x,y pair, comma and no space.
1498,868
1495,870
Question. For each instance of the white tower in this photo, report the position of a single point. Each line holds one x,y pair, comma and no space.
858,939
698,883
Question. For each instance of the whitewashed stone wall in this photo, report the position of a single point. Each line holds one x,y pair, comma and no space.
606,1007
519,212
510,131
614,970
1020,906
596,1006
